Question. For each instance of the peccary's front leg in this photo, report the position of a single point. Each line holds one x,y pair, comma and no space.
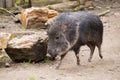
77,55
62,56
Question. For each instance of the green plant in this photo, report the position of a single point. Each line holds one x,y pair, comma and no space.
32,78
18,2
26,0
47,60
26,63
24,27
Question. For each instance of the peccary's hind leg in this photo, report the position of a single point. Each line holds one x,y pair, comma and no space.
77,55
62,56
92,48
99,49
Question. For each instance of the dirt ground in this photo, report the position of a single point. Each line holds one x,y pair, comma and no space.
106,69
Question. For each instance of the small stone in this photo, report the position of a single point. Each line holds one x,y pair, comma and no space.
7,65
79,74
2,27
117,14
92,66
42,77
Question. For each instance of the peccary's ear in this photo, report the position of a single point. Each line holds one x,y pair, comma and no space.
64,27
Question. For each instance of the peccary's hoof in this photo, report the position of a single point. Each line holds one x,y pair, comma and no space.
57,67
101,56
78,63
89,60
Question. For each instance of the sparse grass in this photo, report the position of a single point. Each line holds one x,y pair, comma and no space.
26,0
32,78
2,12
47,60
25,64
24,27
18,2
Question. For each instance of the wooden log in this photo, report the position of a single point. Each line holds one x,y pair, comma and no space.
31,47
66,6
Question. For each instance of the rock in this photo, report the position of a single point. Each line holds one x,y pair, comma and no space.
73,5
44,2
117,14
86,4
90,5
4,38
7,65
31,47
17,18
66,6
4,59
36,17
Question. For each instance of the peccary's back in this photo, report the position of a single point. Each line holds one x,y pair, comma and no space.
91,29
90,26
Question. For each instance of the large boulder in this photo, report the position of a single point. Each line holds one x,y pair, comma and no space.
29,47
36,17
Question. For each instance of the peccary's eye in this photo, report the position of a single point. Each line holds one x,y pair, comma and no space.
57,37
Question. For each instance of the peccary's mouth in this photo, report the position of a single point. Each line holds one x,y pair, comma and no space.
52,55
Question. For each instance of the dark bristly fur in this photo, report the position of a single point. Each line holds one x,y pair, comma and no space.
72,30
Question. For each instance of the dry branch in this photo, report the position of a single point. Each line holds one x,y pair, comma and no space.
103,13
5,10
15,18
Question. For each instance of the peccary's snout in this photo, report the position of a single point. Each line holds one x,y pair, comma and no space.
52,53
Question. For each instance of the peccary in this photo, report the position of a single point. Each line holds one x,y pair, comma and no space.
71,30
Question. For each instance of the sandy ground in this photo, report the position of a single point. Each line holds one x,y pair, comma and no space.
106,69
